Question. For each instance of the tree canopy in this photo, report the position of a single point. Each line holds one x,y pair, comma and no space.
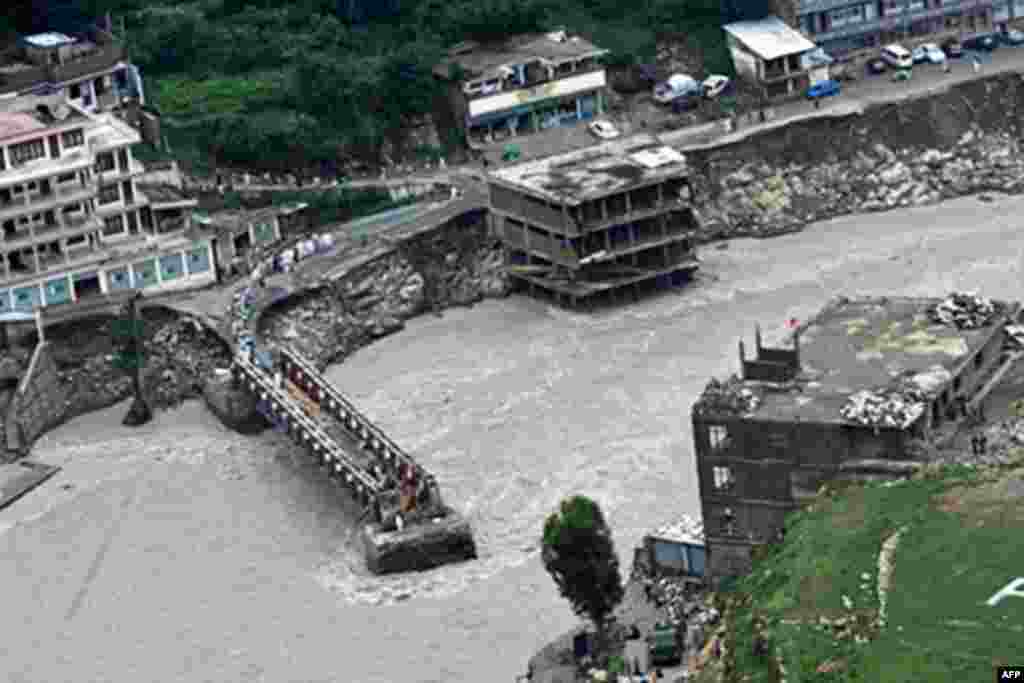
577,551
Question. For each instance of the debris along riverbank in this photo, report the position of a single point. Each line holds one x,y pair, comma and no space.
962,141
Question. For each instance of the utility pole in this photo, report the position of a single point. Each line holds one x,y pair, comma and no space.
131,358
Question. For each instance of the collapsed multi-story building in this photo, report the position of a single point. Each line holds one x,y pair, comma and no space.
864,380
523,85
594,221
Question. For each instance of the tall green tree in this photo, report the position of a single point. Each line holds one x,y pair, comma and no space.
577,551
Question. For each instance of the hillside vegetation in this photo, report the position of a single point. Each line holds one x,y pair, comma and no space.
814,599
272,84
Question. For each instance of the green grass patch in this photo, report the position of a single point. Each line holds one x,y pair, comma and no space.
182,96
962,544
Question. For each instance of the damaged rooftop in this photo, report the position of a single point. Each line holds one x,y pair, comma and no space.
580,175
871,343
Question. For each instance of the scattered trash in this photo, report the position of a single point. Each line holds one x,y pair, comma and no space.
965,311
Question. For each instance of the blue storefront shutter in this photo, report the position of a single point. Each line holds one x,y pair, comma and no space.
171,267
198,260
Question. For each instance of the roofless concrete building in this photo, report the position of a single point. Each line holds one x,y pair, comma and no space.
597,222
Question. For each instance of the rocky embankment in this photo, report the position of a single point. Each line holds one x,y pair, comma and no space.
449,267
921,151
179,354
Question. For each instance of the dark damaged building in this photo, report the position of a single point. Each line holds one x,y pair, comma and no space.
597,221
860,386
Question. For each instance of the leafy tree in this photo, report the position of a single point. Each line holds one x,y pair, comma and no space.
577,551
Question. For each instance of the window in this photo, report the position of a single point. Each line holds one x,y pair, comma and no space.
31,186
722,479
65,178
108,194
718,436
979,360
105,162
956,384
845,16
113,226
728,522
27,151
75,91
76,241
72,138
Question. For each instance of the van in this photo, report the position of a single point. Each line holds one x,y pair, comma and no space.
897,57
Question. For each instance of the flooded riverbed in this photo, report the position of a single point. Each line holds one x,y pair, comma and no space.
183,552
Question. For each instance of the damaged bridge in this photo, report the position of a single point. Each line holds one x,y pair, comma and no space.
409,527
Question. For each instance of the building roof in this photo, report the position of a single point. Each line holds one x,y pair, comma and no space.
235,219
110,131
870,344
769,38
13,124
583,174
479,60
51,39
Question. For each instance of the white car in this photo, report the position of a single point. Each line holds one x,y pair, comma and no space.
714,85
604,130
929,52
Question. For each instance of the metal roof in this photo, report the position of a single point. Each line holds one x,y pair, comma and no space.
769,38
583,174
479,60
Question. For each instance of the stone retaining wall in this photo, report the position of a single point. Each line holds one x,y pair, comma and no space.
38,404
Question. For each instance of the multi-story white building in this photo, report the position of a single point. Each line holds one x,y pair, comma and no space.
74,222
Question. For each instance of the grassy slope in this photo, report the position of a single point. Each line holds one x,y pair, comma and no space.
962,544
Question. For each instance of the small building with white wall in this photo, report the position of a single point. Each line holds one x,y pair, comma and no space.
771,55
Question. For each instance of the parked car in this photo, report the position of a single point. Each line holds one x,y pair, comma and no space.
953,48
715,85
896,56
676,86
876,66
604,130
986,42
902,75
1012,37
930,53
823,89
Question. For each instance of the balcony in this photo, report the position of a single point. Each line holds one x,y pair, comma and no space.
45,167
514,86
43,201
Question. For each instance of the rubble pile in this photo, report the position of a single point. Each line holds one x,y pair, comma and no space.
183,352
731,396
965,311
686,529
887,408
1005,442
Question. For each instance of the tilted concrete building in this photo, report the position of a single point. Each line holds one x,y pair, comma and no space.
794,419
594,221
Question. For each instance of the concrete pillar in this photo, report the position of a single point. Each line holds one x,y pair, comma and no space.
92,92
64,250
579,109
159,276
629,203
599,96
35,257
184,260
604,209
71,285
608,240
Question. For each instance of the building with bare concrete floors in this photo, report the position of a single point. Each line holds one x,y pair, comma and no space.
865,383
600,222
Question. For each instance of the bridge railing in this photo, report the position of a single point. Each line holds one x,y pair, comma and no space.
323,445
332,394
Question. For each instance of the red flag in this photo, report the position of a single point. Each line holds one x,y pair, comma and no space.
792,322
